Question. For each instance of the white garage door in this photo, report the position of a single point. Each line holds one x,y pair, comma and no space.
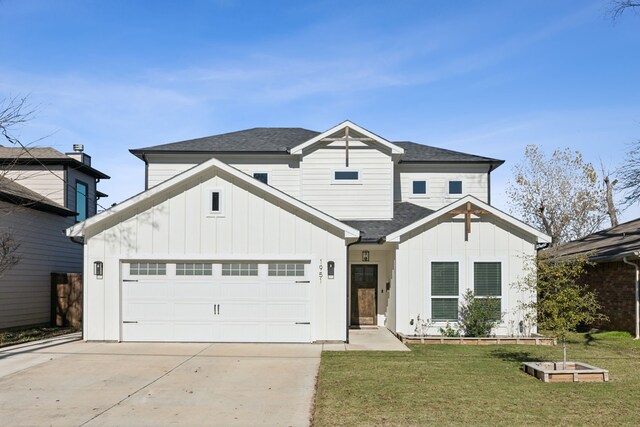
216,302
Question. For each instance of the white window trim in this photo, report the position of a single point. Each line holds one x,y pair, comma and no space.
420,195
253,174
346,181
455,194
427,296
504,288
220,212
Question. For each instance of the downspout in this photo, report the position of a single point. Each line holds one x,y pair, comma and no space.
637,295
146,172
349,285
489,184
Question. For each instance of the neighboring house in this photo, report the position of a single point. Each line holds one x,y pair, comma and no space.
291,235
611,277
42,192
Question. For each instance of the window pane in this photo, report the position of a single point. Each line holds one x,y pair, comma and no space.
493,305
147,269
237,269
193,269
262,177
455,187
215,201
444,309
291,270
444,278
487,279
419,187
346,175
81,201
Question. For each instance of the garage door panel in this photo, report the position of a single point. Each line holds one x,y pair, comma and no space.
147,310
216,309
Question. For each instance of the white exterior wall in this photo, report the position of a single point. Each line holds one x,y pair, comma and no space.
284,171
475,181
490,240
40,180
178,227
25,290
370,198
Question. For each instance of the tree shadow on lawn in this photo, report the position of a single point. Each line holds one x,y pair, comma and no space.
513,356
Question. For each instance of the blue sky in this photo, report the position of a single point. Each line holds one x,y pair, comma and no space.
486,77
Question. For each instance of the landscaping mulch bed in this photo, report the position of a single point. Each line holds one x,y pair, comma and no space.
18,336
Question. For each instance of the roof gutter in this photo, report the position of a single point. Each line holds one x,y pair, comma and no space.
637,283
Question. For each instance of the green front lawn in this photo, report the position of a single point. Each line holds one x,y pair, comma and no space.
478,385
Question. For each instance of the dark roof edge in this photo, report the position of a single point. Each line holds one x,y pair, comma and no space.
37,205
77,165
496,162
139,152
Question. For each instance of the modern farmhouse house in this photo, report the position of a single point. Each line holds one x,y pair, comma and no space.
291,235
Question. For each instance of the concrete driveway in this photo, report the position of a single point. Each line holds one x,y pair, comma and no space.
78,383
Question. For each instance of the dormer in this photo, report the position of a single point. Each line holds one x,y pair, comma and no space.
347,172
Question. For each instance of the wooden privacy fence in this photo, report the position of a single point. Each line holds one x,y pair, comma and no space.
66,299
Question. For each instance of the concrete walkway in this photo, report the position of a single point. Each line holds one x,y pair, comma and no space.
370,339
78,383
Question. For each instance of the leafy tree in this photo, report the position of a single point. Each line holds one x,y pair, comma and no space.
563,301
559,195
478,316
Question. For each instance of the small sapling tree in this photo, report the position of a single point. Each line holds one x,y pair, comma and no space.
563,302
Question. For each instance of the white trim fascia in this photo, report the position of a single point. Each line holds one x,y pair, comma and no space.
80,228
394,148
542,238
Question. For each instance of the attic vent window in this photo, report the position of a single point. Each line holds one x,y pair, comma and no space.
346,176
262,177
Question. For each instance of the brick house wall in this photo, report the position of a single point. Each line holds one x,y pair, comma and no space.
615,284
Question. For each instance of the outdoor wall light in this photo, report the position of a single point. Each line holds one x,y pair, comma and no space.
365,256
98,269
331,267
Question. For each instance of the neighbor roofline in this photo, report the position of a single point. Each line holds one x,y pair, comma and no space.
541,237
35,204
80,228
77,165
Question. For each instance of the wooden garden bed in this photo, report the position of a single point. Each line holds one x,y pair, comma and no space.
553,372
412,339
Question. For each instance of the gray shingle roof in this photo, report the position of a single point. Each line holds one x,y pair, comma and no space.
404,213
605,244
45,156
280,140
250,140
12,192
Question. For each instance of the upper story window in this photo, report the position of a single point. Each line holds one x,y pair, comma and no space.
82,201
215,202
455,187
419,188
346,176
262,177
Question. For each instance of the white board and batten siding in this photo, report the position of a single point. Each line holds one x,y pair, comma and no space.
252,227
475,182
371,198
26,288
490,240
283,170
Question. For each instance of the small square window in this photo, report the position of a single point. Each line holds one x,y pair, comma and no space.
420,187
455,187
262,177
346,175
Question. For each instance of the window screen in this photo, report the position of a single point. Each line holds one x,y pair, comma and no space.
487,279
443,309
262,177
444,278
419,187
455,187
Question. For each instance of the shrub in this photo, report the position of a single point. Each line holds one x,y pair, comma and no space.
448,331
478,316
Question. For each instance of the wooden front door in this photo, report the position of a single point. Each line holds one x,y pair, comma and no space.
364,284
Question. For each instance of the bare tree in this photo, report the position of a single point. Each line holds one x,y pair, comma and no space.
629,174
609,185
618,7
559,195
